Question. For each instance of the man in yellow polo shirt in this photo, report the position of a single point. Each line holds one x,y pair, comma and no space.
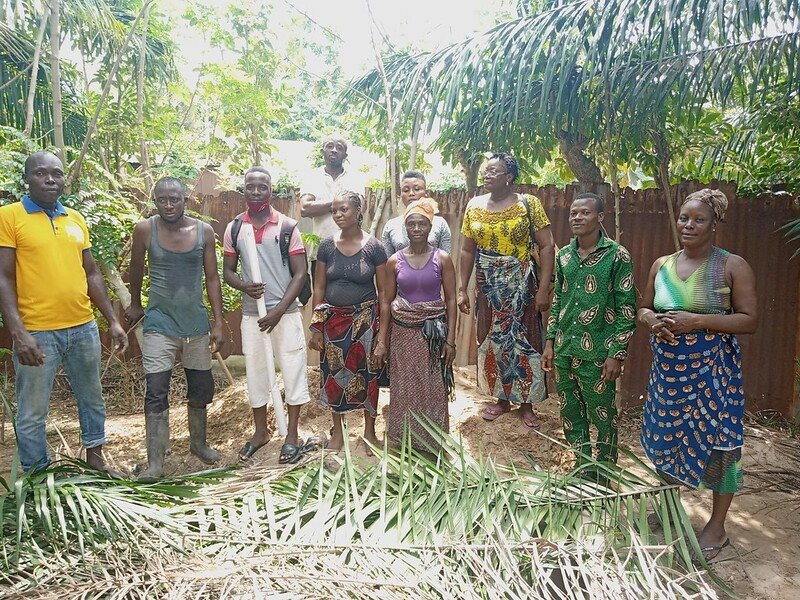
48,280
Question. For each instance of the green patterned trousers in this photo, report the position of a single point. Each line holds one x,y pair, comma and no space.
585,398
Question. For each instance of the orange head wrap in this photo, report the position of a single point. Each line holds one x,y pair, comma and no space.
426,207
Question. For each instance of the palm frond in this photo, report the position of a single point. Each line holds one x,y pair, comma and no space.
410,525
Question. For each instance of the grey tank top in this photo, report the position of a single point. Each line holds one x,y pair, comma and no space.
176,306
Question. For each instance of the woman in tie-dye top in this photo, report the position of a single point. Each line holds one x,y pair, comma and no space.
695,303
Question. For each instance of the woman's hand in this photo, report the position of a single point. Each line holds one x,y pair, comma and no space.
679,321
315,343
660,329
448,354
380,354
463,301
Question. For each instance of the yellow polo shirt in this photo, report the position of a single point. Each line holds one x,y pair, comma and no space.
52,291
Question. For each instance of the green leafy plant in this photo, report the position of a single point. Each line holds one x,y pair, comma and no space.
415,525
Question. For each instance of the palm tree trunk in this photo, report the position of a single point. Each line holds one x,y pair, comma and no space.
144,158
662,153
390,124
583,167
55,78
37,54
469,166
76,169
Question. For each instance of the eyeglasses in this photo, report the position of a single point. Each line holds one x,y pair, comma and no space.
168,201
494,173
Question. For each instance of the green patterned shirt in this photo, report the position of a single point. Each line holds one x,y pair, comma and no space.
594,305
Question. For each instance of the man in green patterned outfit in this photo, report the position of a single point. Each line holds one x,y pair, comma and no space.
590,325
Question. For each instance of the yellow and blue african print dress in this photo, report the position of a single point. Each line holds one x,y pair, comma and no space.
692,429
509,328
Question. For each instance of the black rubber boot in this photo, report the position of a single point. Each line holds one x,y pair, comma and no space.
197,436
157,443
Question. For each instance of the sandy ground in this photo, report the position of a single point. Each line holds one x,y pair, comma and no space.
763,561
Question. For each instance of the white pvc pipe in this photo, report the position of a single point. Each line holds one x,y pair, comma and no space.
250,254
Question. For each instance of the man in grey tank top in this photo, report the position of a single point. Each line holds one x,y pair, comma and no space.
180,251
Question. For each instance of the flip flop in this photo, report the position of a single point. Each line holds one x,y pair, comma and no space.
314,443
711,552
291,453
491,412
249,449
532,422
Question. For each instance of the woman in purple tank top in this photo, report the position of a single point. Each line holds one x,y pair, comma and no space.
419,306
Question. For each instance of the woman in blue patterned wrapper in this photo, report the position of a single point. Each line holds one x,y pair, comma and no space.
696,302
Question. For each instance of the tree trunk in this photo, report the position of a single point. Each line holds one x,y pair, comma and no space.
412,159
393,163
583,167
55,79
470,165
144,158
662,153
612,171
76,169
34,73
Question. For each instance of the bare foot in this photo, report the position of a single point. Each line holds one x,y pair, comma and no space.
336,442
372,440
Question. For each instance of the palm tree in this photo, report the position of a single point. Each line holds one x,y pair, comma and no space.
606,76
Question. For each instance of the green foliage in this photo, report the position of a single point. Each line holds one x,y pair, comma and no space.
431,526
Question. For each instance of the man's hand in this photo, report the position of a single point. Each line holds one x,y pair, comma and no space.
27,350
463,301
133,314
270,321
253,289
216,338
547,356
315,343
542,299
612,368
118,337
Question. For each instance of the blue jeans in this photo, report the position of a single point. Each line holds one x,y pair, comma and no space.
78,350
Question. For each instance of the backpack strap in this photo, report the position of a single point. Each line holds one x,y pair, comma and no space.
285,239
235,229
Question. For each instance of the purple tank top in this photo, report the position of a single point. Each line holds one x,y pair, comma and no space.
419,285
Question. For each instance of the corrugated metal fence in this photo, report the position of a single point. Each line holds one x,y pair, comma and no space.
771,355
750,230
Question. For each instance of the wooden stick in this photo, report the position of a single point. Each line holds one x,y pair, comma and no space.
222,364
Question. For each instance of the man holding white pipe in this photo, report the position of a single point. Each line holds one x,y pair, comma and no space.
283,281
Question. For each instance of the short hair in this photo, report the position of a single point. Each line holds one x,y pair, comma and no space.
333,138
30,157
353,198
412,174
599,203
510,163
169,180
258,169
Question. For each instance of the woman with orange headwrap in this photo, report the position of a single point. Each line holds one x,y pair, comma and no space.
418,317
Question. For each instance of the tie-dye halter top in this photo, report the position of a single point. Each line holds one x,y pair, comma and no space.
705,291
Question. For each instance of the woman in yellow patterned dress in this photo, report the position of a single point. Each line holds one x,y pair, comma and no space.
511,291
